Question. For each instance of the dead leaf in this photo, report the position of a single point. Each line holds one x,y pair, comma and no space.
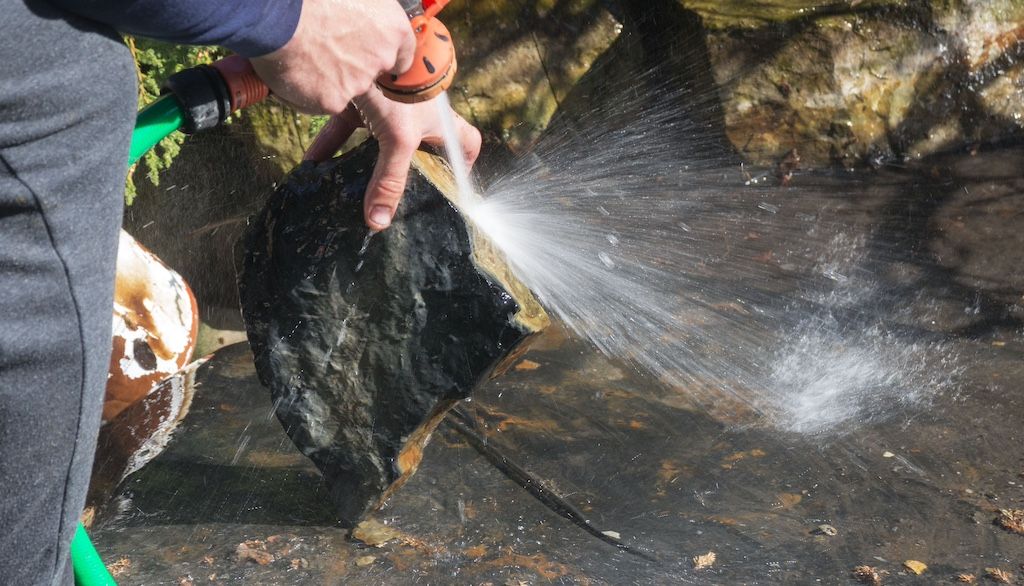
1011,520
704,561
867,575
254,550
527,365
788,500
374,533
998,575
915,566
120,567
966,578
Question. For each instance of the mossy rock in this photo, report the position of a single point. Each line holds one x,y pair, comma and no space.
519,60
729,14
882,82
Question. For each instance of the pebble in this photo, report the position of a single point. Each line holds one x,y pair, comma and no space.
826,529
915,566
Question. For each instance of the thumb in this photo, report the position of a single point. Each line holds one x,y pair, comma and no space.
406,52
388,182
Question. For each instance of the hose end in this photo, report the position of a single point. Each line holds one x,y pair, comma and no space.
245,88
433,68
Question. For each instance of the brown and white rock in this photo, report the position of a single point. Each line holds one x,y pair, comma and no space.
140,432
154,329
366,341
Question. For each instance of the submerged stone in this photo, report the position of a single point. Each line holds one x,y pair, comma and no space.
367,340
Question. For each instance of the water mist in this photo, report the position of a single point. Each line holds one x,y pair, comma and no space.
737,293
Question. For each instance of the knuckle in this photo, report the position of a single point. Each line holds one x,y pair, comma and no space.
474,141
403,142
390,188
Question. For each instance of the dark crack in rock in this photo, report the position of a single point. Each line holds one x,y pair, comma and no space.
366,341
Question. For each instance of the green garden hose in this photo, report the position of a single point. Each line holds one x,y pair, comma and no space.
153,124
86,563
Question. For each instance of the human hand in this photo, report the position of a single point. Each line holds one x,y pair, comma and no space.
338,50
399,129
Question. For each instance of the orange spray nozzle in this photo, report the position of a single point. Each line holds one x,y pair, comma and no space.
434,65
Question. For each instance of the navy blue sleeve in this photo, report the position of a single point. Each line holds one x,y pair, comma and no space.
248,27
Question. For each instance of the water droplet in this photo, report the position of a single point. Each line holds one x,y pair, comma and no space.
613,239
366,243
835,275
770,208
606,260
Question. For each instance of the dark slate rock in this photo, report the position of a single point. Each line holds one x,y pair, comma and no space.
366,341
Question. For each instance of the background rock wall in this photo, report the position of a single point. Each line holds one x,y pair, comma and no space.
850,83
858,82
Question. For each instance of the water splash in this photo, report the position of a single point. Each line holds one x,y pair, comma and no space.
634,232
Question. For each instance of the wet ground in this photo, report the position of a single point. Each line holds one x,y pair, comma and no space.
569,433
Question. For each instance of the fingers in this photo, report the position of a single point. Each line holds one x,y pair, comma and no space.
334,134
388,182
471,140
407,40
406,52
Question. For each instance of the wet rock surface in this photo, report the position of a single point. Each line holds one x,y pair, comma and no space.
928,484
366,340
137,434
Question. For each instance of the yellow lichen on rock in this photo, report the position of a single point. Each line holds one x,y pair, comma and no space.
915,566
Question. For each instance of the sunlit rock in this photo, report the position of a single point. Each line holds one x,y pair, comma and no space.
366,341
519,60
856,82
154,328
726,14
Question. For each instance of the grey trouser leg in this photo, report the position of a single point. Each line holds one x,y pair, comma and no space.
67,103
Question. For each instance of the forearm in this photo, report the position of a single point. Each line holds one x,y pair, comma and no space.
248,27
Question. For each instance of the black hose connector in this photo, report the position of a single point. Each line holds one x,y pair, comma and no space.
203,96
